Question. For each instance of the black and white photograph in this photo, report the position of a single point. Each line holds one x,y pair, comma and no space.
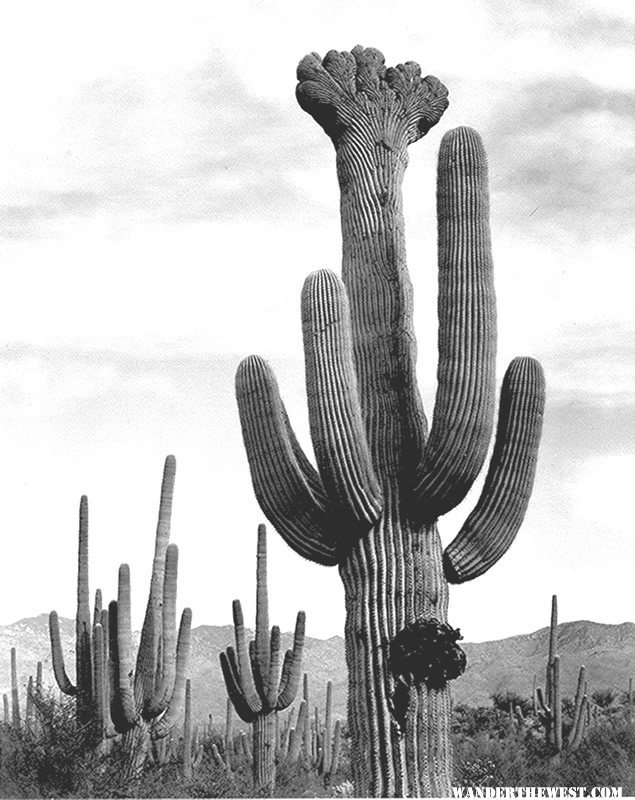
317,391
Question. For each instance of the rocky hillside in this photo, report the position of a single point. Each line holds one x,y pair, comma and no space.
607,651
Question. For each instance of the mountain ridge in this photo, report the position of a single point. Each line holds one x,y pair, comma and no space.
497,665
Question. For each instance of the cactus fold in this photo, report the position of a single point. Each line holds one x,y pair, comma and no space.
382,480
258,683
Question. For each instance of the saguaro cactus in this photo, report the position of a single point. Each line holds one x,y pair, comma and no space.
147,697
382,480
89,687
550,713
255,684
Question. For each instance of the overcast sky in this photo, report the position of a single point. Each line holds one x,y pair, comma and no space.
162,199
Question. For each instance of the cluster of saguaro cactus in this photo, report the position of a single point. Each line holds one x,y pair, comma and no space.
313,742
258,685
115,694
382,480
550,702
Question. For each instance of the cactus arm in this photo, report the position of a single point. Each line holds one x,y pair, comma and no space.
100,679
577,708
232,684
292,667
15,697
187,733
273,669
328,717
57,657
124,649
579,726
243,672
557,705
492,526
464,405
146,666
159,701
337,429
165,724
116,710
286,486
97,608
262,642
553,647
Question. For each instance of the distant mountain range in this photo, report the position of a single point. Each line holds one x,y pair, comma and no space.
607,651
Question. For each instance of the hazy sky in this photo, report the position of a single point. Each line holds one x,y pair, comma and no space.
163,198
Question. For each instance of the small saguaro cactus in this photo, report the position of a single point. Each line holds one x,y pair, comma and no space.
89,688
146,696
16,716
550,703
256,685
382,479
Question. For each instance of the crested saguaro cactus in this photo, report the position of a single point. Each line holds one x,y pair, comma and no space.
256,684
147,695
382,480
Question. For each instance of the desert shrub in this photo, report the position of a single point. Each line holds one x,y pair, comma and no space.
502,701
603,697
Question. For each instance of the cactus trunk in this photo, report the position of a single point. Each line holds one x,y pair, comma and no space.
392,578
264,753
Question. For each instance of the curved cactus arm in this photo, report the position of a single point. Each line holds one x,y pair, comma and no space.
146,666
259,675
292,666
159,701
243,671
59,669
492,526
166,723
273,668
232,684
337,429
243,664
464,406
125,670
287,487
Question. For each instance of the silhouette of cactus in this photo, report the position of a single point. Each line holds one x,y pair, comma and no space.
382,480
146,697
256,685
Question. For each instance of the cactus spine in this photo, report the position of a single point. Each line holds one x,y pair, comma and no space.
256,685
147,696
382,481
